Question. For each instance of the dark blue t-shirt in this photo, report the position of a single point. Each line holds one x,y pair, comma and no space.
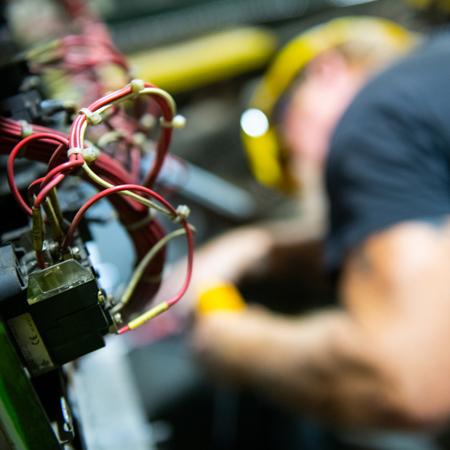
390,156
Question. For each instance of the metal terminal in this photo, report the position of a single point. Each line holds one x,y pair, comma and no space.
101,297
76,253
52,248
117,317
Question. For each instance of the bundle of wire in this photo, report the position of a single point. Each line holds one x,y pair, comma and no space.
110,160
135,203
91,65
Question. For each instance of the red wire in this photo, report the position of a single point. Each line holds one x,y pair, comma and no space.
129,210
163,142
61,168
33,184
133,187
55,176
56,154
177,297
10,164
40,259
46,189
108,191
135,165
190,263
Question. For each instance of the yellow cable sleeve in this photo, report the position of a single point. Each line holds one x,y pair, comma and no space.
55,224
37,229
150,314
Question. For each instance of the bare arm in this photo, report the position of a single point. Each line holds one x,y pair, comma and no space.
380,360
260,249
250,252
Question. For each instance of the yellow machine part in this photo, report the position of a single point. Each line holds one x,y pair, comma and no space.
205,60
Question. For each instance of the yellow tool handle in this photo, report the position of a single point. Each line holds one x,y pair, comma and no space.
220,297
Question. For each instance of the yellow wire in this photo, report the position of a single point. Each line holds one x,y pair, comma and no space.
43,49
150,314
144,201
146,91
55,224
108,138
140,269
161,93
37,232
56,207
100,181
164,306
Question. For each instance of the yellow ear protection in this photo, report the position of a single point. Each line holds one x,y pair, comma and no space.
258,132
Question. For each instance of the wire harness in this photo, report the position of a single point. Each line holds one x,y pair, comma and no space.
74,155
104,146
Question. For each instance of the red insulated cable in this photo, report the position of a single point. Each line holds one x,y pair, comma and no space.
56,154
132,187
47,188
163,142
162,200
161,152
129,210
61,169
190,263
34,184
95,198
10,164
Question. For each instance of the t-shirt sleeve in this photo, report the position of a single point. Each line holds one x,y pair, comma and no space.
388,163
